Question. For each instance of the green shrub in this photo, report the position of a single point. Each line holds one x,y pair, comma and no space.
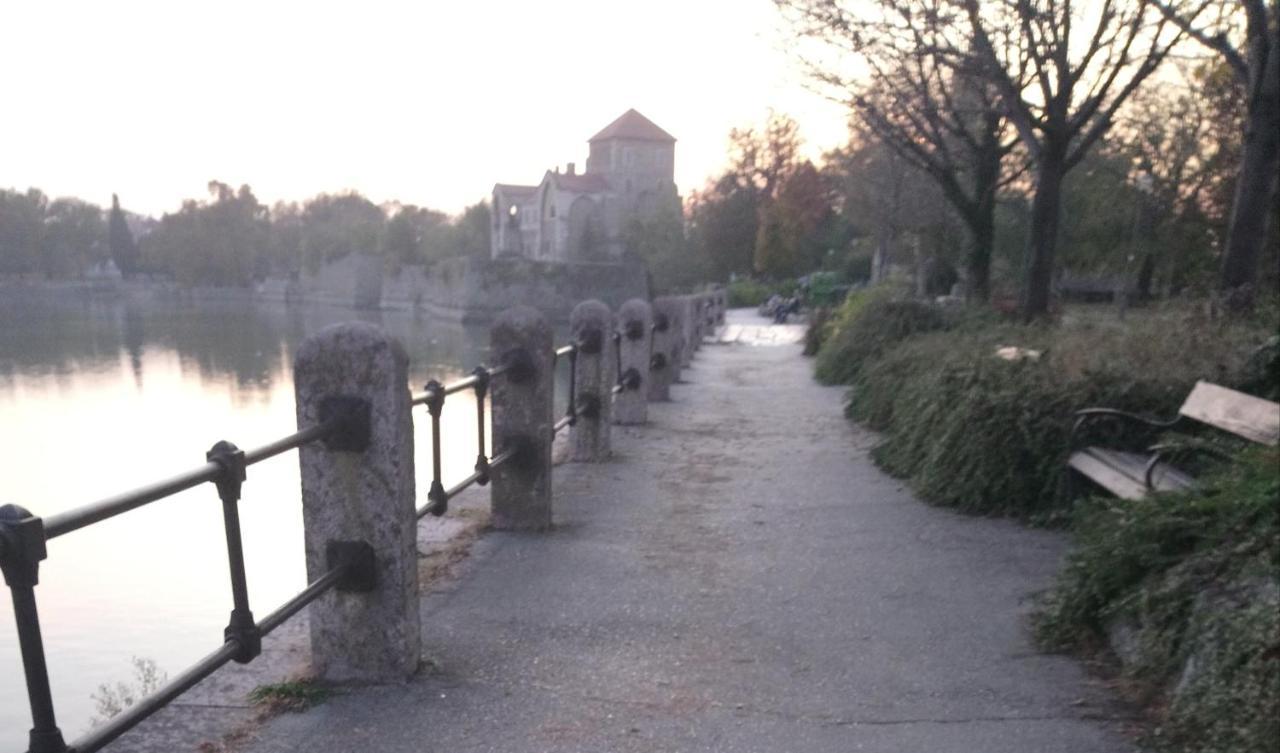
1195,577
868,324
989,436
753,293
818,330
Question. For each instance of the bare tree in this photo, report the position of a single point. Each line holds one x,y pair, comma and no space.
1060,94
903,86
1255,61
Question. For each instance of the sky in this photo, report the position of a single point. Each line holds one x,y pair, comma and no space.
427,102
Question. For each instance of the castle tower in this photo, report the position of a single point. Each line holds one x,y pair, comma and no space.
638,160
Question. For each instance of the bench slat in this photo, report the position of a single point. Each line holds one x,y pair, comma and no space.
1122,473
1251,417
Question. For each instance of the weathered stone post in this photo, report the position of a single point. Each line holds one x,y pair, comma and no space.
676,319
591,325
358,502
700,314
662,363
522,420
722,304
687,327
631,406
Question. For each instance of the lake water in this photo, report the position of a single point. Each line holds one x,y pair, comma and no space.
101,396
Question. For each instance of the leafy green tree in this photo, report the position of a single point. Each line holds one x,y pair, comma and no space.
470,235
21,230
223,241
74,238
406,234
124,250
336,225
659,239
723,221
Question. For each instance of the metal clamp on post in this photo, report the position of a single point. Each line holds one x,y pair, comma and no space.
519,365
588,405
241,627
591,341
358,562
630,379
352,421
634,329
482,458
435,404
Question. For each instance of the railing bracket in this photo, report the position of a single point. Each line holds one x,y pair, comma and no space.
361,574
354,423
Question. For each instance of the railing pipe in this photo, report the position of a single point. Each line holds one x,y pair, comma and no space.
63,523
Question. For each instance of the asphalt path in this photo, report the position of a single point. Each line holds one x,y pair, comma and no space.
740,577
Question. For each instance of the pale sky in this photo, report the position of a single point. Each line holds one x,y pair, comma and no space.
427,102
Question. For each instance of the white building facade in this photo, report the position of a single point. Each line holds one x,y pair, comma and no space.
572,216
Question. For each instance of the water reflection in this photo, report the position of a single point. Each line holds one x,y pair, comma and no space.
97,397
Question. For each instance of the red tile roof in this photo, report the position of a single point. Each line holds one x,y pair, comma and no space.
632,125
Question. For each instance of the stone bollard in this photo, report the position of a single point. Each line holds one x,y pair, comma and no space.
687,325
358,501
699,320
631,406
676,318
522,420
662,362
591,325
709,319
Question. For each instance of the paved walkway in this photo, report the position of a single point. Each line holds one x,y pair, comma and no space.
740,578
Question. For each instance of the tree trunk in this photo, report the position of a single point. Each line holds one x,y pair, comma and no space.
1043,239
1255,186
982,238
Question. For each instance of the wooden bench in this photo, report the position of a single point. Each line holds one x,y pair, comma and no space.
1133,475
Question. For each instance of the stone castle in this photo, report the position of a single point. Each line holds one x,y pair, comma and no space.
581,217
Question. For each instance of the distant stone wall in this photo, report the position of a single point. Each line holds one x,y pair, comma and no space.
467,290
477,290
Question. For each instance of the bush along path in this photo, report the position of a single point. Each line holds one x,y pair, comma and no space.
1179,589
740,577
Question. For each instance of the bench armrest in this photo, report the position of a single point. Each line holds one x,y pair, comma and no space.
1164,450
1090,414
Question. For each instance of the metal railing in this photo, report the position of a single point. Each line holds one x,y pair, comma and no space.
345,425
23,538
433,396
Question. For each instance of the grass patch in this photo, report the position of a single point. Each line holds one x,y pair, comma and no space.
291,696
1186,588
